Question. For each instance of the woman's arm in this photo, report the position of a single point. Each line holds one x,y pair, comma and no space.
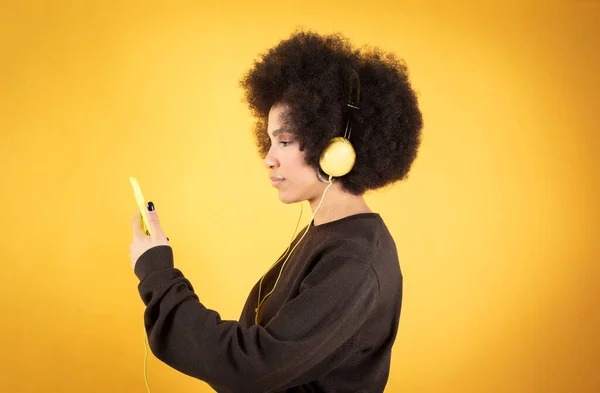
308,336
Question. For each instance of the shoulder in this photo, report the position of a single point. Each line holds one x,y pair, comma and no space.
359,245
356,240
359,237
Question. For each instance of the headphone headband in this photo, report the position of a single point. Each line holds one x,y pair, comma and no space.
353,104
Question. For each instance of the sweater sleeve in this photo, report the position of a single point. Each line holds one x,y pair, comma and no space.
309,335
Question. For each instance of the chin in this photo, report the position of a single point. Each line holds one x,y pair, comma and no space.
288,198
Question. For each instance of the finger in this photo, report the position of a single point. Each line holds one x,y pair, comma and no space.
154,222
137,224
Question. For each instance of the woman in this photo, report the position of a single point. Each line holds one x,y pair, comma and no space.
325,316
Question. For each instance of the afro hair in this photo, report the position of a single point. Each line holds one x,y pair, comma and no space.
311,73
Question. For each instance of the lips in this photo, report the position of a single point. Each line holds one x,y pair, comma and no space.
276,180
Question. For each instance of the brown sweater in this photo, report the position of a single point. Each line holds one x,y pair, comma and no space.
328,327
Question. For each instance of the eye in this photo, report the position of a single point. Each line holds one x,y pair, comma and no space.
285,143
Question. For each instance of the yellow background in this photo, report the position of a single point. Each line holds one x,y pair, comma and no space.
497,226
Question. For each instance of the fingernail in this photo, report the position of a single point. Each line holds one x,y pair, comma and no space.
150,206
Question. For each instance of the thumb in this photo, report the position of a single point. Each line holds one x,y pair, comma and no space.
154,222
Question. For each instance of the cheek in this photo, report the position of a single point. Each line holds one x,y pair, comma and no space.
304,174
296,168
297,163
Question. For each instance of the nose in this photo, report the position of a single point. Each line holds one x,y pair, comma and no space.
270,160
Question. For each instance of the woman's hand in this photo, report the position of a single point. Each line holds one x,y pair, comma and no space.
141,241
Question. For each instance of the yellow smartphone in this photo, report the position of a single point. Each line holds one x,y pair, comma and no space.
139,199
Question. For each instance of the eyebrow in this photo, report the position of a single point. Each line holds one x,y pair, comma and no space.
281,131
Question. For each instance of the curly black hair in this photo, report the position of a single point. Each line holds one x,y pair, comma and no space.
310,73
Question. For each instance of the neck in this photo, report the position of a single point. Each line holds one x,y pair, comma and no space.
337,204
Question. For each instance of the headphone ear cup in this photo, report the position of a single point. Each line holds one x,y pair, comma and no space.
338,158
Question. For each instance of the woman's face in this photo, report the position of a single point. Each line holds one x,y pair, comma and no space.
289,173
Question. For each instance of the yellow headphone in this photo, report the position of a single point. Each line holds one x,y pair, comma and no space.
338,158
